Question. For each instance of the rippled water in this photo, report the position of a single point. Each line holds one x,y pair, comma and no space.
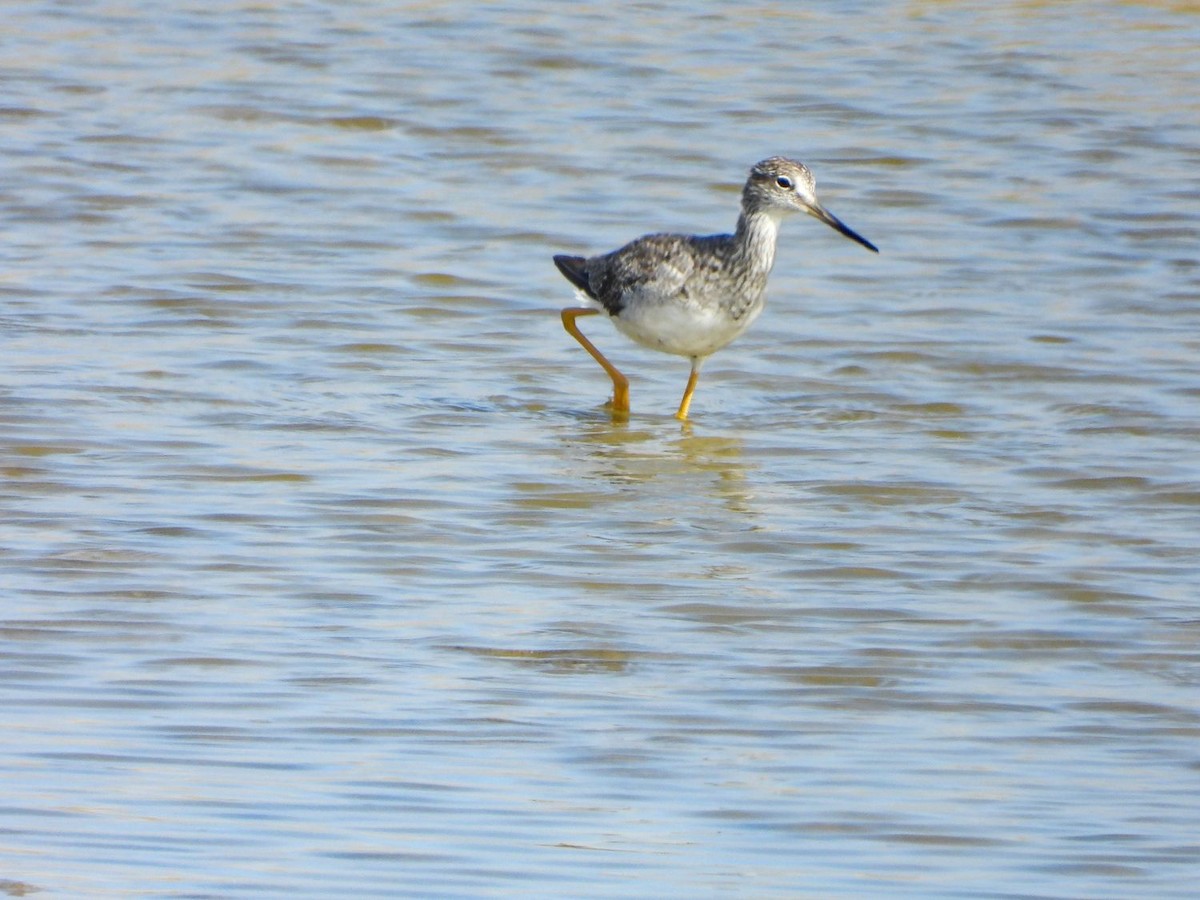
325,572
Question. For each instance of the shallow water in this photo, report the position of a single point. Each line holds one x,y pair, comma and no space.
325,572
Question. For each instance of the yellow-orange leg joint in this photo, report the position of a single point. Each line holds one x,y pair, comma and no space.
620,399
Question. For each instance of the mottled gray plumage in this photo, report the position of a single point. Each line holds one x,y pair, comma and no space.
670,267
691,295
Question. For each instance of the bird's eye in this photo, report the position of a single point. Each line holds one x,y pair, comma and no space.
784,182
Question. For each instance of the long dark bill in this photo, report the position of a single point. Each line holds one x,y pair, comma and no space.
824,215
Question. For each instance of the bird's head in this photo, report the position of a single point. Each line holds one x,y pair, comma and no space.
780,185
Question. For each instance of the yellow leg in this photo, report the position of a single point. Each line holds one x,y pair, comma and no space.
620,400
686,403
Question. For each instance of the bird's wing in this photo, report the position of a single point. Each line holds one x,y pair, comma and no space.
657,266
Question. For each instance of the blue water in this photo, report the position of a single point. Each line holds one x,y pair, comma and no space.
324,571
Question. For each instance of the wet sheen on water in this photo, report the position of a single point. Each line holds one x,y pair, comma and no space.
324,572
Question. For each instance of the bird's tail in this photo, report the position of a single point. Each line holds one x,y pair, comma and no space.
574,269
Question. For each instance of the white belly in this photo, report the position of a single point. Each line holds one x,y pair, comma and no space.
684,330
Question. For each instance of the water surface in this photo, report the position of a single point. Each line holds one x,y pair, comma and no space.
325,573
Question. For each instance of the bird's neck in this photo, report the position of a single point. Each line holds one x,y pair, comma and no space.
757,231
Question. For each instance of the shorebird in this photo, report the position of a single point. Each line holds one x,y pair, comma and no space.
690,295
